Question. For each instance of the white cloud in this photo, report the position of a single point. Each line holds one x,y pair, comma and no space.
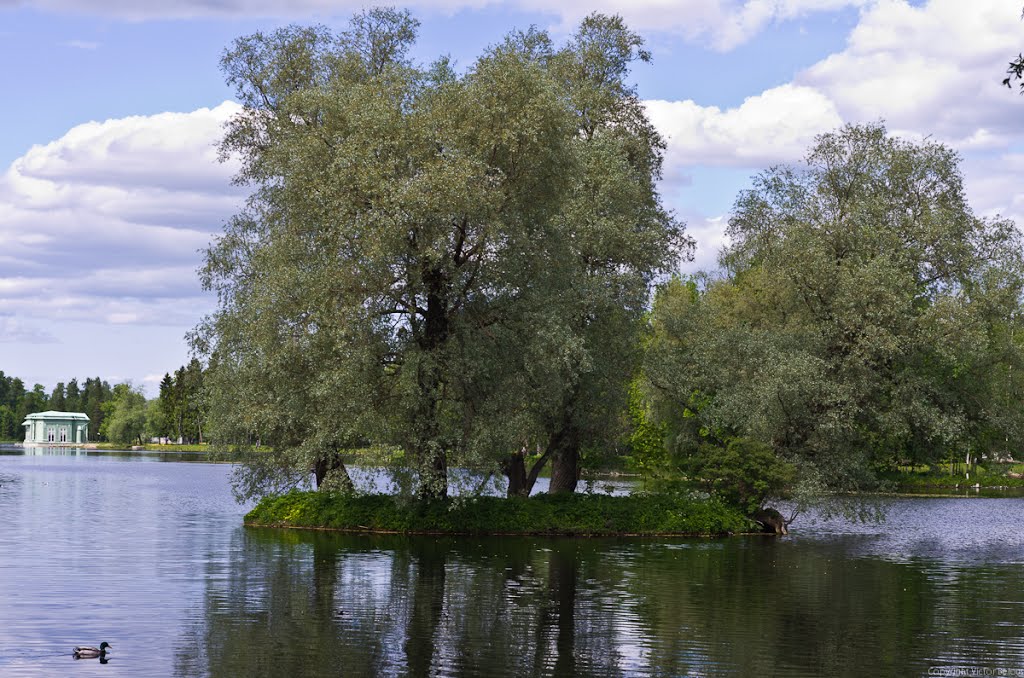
709,233
994,185
169,150
106,222
721,24
15,330
775,126
926,69
82,44
933,68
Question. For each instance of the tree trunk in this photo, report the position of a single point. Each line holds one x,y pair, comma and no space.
520,483
771,521
436,485
565,463
431,456
332,463
515,470
562,450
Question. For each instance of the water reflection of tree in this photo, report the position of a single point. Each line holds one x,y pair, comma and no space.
312,604
315,605
766,608
560,612
428,604
271,611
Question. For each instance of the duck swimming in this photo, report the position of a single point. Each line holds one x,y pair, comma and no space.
91,652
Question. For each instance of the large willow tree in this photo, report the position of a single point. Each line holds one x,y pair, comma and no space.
866,317
427,253
613,238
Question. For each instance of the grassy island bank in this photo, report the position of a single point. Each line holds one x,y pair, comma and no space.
568,515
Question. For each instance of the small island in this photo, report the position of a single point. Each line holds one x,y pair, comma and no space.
582,515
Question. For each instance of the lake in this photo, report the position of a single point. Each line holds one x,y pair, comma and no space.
147,552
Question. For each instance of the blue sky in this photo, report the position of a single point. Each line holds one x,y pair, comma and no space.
109,184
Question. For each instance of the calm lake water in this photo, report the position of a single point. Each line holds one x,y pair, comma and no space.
148,553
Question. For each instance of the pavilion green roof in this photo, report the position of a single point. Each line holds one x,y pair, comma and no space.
51,414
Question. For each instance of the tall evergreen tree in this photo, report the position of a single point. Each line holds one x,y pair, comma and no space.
168,406
95,393
73,397
57,400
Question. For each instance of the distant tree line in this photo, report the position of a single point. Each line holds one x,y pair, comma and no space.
179,412
17,402
118,414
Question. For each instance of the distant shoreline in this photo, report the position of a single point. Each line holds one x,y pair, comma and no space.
111,447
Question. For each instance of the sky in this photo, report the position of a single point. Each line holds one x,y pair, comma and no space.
111,185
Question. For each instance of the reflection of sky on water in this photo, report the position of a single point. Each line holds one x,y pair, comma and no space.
954,530
368,479
94,548
168,572
379,480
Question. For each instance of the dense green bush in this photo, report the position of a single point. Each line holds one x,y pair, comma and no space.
743,473
581,514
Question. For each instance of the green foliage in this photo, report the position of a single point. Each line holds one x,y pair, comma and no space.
156,424
73,396
647,438
914,483
157,447
95,394
9,426
57,401
450,262
183,403
1015,71
182,406
616,237
584,514
744,473
866,318
124,416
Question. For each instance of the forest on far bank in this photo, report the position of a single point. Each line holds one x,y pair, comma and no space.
117,414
